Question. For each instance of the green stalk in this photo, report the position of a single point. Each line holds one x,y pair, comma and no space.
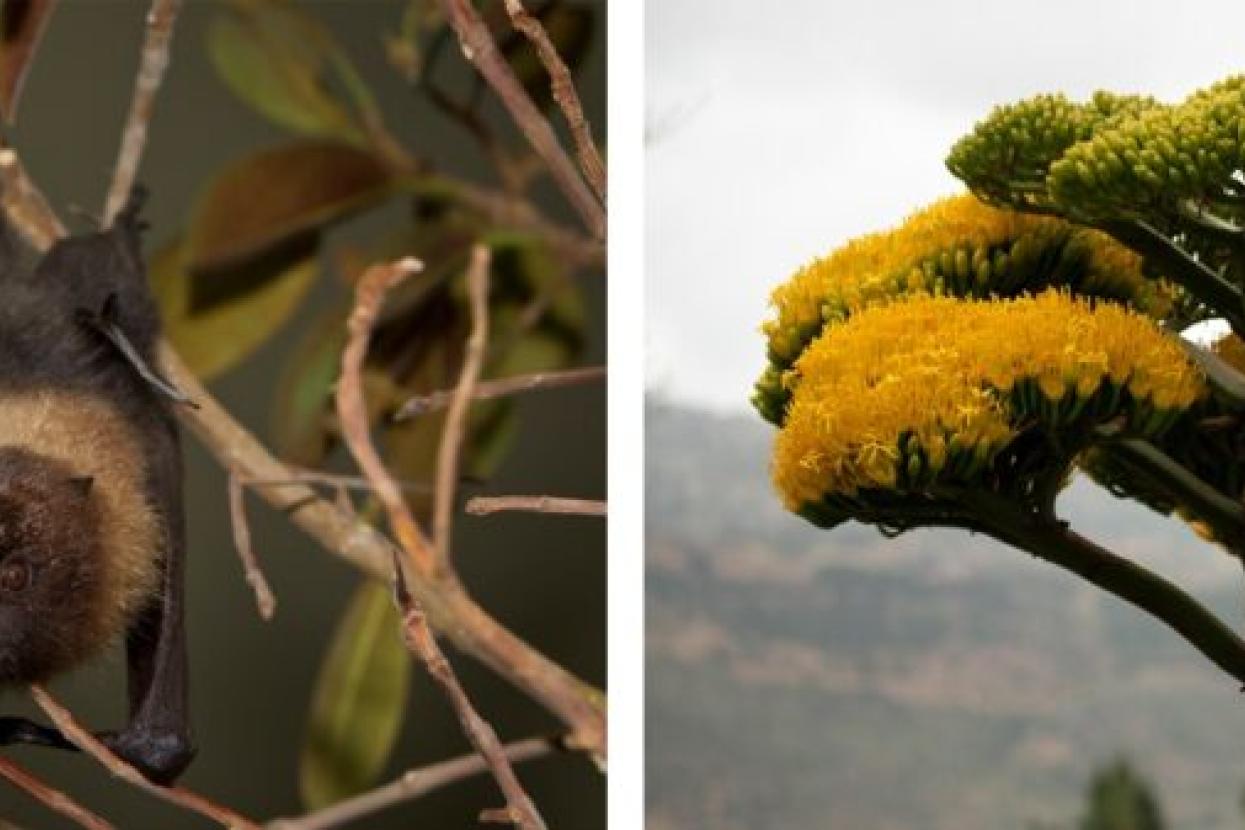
1176,264
1166,602
1226,515
1227,383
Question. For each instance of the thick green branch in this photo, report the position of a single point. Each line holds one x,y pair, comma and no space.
1127,580
1177,265
1144,460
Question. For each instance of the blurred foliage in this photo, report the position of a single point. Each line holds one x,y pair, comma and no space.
258,241
359,699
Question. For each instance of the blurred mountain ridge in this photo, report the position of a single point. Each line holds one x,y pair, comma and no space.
798,677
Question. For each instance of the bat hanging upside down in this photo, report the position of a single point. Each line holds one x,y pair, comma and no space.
92,537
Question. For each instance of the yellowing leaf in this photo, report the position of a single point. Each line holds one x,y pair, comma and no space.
280,195
279,61
214,340
359,701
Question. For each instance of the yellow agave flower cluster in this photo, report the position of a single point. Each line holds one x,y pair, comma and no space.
929,389
957,246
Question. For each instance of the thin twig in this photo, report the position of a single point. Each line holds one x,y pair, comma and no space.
352,409
421,641
563,88
352,412
455,428
414,784
88,743
50,797
481,50
486,505
154,60
335,480
501,387
24,205
264,598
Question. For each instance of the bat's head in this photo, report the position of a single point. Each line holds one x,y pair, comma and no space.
52,590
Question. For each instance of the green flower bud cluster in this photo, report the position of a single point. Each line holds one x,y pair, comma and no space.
1162,156
1006,158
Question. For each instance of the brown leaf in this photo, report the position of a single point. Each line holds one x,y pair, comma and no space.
22,23
214,340
276,196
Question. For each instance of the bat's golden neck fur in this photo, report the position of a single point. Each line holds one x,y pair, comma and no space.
91,438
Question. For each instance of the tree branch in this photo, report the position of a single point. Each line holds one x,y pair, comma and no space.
352,412
1166,602
563,88
455,428
154,60
500,388
487,505
264,599
414,784
1175,263
88,743
50,797
481,50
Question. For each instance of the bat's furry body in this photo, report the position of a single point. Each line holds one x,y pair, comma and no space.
91,524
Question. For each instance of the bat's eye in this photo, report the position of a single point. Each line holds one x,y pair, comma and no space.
14,576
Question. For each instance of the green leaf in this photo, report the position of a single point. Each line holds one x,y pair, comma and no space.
278,197
282,63
359,701
300,416
22,23
213,340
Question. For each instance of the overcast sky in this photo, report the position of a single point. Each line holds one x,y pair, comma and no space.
778,130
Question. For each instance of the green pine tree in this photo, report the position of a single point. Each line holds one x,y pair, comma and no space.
1119,799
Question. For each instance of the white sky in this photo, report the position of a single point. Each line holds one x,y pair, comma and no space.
777,130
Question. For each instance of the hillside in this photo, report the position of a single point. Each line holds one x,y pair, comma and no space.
840,680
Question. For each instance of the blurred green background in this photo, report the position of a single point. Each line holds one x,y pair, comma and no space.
251,681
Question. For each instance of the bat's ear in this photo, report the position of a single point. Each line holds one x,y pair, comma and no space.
130,217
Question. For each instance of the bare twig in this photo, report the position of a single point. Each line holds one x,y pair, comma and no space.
500,388
501,208
486,505
335,480
88,743
154,60
264,599
460,403
352,411
414,784
564,93
420,640
24,205
50,797
481,50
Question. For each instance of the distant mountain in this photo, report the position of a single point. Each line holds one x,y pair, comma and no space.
803,678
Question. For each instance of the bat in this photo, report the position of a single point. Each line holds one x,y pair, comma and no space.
92,530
